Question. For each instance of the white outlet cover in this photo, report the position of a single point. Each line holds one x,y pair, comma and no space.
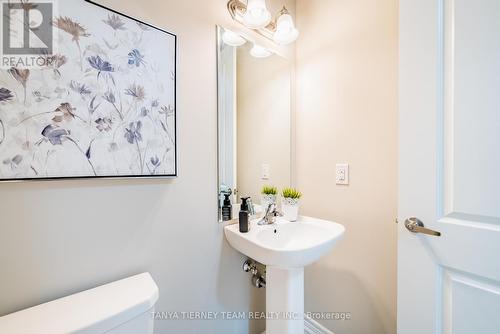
342,174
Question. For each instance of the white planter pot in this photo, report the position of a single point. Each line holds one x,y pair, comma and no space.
267,200
290,208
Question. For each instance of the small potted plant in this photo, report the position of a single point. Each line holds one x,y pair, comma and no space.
268,196
290,204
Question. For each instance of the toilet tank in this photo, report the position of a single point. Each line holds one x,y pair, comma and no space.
122,307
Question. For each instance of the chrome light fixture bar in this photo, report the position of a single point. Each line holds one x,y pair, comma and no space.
254,15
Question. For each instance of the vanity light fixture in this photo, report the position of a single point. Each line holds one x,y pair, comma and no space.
260,51
254,15
233,39
286,32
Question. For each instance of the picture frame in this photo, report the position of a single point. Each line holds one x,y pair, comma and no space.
78,146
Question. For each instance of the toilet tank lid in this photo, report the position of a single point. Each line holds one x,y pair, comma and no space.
96,310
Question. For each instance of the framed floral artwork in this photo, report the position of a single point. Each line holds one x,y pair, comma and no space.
102,105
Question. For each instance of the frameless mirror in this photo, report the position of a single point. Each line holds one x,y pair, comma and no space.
254,123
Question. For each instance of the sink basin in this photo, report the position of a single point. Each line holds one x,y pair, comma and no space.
286,244
286,248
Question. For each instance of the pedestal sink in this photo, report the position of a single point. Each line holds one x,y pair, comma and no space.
286,248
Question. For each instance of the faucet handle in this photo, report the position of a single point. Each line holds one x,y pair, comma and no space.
269,210
270,215
274,211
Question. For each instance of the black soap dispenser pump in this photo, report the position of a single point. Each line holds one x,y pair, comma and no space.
227,209
244,216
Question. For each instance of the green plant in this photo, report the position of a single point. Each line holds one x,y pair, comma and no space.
268,190
291,193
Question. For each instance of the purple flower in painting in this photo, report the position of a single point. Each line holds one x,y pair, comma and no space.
104,124
39,96
133,132
115,22
155,161
110,97
100,65
168,111
15,160
155,164
143,26
136,91
144,112
113,147
5,95
55,134
135,58
79,88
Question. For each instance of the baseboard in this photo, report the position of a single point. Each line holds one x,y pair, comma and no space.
314,327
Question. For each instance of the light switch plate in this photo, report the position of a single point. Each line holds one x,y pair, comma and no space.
342,174
265,172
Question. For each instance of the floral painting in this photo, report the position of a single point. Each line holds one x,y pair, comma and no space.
102,106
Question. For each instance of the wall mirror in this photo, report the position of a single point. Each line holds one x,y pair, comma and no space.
254,122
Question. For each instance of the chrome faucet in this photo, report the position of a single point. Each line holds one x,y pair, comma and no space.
270,216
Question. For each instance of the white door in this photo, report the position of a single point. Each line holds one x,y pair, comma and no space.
450,166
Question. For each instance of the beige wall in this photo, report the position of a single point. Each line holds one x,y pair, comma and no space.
58,238
263,117
347,113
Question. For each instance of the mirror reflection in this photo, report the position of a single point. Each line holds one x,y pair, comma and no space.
254,124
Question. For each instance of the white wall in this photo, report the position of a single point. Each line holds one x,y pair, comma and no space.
347,59
58,238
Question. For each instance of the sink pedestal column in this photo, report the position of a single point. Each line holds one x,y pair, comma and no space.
285,300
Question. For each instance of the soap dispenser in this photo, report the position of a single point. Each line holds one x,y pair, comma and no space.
227,209
244,216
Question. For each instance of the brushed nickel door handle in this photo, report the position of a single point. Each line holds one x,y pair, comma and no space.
415,225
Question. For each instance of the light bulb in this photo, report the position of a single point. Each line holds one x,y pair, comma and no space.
286,32
256,16
233,39
260,52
